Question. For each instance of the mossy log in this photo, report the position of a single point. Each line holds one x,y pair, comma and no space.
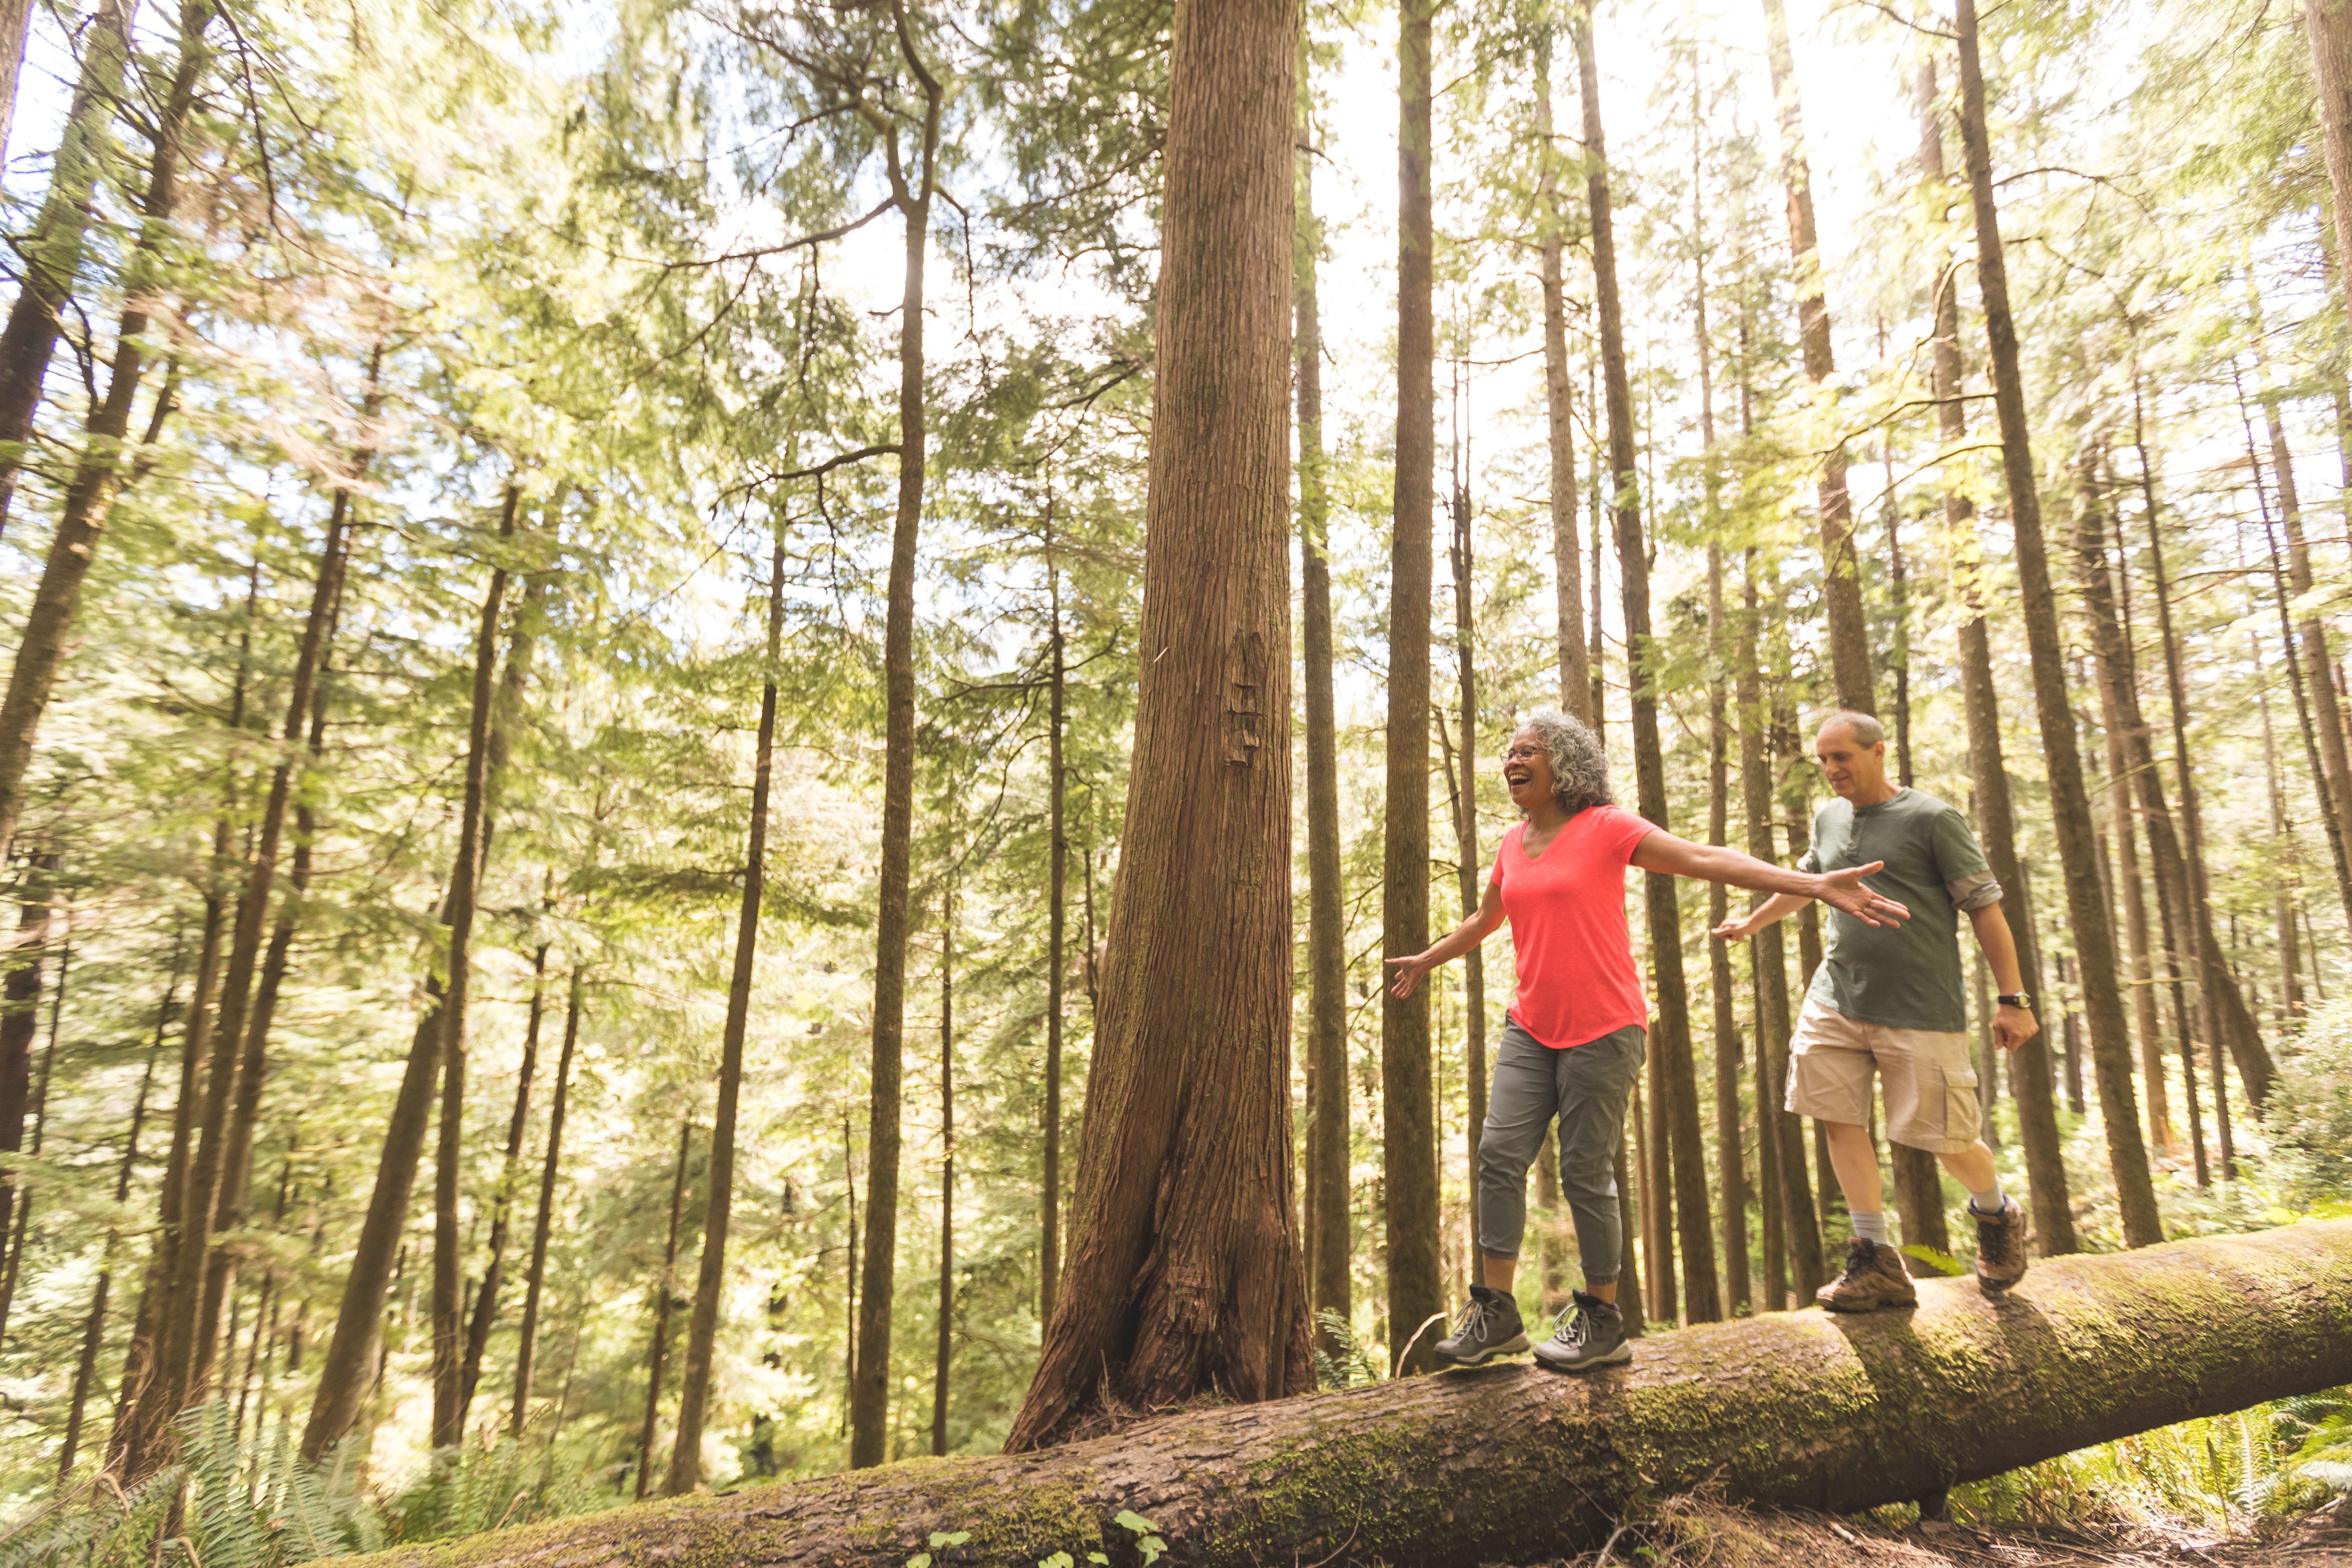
1511,1464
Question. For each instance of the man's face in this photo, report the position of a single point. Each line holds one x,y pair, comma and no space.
1851,769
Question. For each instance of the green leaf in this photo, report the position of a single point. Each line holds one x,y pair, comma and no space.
1943,1263
1130,1519
942,1538
920,1559
1059,1560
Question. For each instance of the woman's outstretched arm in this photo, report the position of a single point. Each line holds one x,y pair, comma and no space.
1452,945
1662,851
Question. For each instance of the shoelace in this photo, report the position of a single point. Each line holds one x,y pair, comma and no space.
1858,1264
1474,1319
1573,1326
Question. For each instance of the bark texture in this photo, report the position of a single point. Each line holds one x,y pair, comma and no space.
1184,1271
1510,1463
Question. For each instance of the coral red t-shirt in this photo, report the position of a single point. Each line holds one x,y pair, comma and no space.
1567,910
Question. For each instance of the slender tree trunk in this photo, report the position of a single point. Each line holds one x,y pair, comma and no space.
2289,936
52,253
486,1294
1576,671
2124,817
1849,634
465,895
665,1292
20,1023
1799,1229
527,1342
869,1407
1184,1272
1670,1042
1729,1161
1470,866
849,1280
1049,1250
16,1259
88,501
1330,1226
1415,1294
710,1284
944,1358
2093,930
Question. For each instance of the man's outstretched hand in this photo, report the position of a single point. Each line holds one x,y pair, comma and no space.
1844,891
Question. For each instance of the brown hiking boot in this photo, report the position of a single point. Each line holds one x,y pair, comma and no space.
2000,1245
1874,1277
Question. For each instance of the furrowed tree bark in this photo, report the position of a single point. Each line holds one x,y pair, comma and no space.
911,191
710,1281
1408,1135
2094,929
1784,1410
527,1334
1183,1272
88,501
1670,1041
1849,632
665,1292
464,898
52,253
1576,674
1781,1154
1330,1226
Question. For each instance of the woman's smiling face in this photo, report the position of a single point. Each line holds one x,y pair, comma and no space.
1527,770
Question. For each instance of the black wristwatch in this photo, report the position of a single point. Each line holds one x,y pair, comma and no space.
2018,999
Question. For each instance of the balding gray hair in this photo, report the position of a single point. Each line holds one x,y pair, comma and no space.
1579,767
1866,731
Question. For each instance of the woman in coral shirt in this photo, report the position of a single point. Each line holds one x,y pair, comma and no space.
1574,1038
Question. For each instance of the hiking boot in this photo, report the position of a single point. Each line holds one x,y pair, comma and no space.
1874,1277
2000,1245
1588,1331
1490,1327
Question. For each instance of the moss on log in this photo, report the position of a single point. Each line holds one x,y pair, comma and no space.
1510,1464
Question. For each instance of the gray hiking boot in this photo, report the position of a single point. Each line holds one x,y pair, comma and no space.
1588,1332
1489,1327
2000,1245
1874,1277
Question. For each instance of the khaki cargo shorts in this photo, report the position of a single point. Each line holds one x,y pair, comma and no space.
1931,1084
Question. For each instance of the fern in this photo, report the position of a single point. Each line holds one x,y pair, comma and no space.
1352,1365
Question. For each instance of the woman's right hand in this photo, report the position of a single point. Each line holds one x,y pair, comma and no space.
1409,971
1733,931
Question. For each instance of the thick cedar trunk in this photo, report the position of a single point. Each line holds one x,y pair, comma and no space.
710,1282
1408,1134
1781,1152
52,253
870,1393
1183,1273
88,501
465,898
664,1293
1670,1043
1784,1410
2094,943
944,1352
527,1341
1849,635
1576,674
1331,1224
1057,862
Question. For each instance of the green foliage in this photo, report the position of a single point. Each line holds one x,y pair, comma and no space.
1353,1365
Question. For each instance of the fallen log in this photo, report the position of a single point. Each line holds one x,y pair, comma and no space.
1509,1464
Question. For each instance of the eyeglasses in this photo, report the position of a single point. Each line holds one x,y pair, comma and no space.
1524,753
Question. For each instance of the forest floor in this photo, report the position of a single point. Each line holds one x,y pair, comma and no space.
1703,1534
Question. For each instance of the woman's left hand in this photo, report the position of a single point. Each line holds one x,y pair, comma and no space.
1409,971
1844,891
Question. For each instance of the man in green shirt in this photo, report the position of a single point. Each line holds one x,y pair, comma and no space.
1886,1001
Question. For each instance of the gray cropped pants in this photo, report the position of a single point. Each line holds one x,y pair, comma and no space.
1586,1086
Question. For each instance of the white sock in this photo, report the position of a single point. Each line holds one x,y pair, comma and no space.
1989,1203
1869,1226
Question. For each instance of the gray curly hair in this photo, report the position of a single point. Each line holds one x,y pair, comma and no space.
1580,768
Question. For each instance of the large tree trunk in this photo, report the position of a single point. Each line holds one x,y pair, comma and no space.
1670,1042
88,502
1184,1272
1575,668
2095,941
710,1279
52,253
1408,1131
1331,1224
870,1403
1511,1464
527,1334
1849,634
